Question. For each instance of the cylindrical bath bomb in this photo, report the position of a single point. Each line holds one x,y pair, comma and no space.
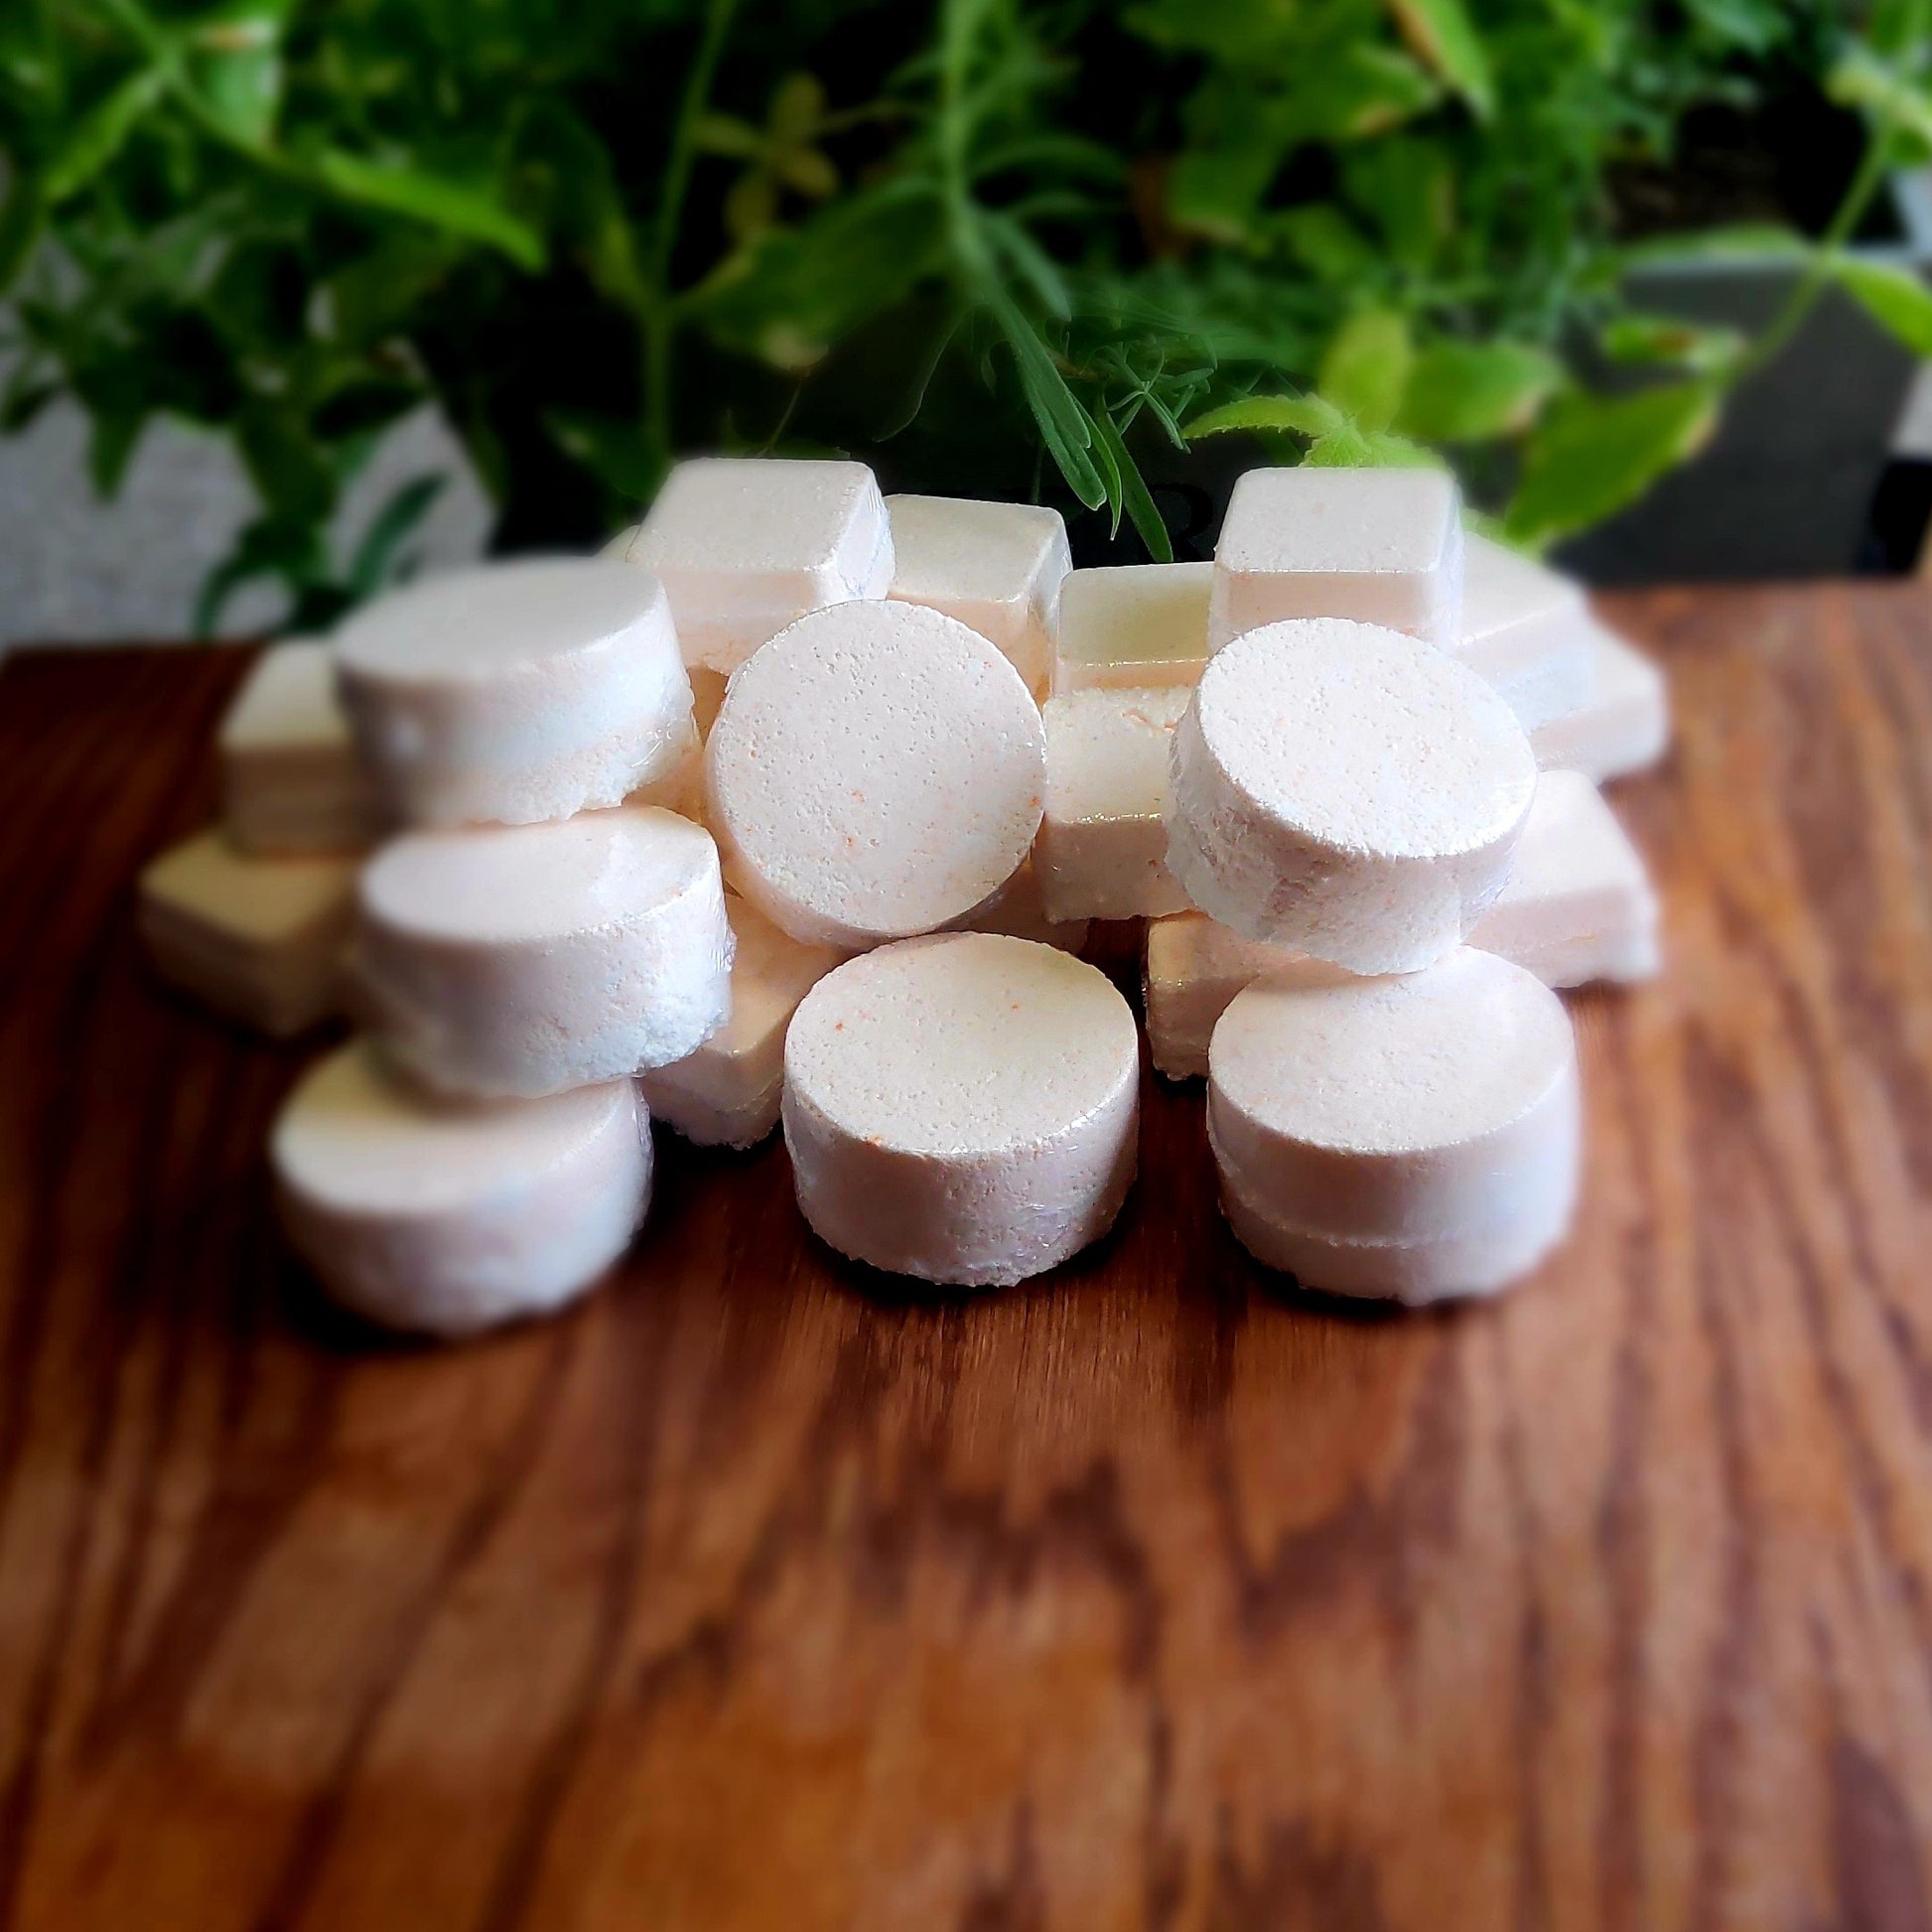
962,1108
876,771
1346,790
1411,1108
516,692
449,1216
1412,1272
527,959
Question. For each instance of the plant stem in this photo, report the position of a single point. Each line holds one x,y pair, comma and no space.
660,318
1869,177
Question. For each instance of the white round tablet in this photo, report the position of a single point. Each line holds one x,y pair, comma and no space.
962,1108
1347,790
1412,1108
445,1216
1413,1271
526,959
516,692
876,771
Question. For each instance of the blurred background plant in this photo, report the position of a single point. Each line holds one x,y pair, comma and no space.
1016,248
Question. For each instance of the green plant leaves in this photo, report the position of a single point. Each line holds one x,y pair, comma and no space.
1472,392
1894,298
1064,427
1893,98
1297,415
1445,39
1667,342
1590,456
99,135
1365,371
375,559
619,455
1134,493
397,189
1747,241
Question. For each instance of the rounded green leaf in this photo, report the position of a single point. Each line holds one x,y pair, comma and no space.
1472,392
1592,456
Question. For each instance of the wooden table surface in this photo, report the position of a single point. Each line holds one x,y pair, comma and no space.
1144,1595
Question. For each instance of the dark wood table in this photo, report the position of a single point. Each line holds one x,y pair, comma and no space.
1144,1595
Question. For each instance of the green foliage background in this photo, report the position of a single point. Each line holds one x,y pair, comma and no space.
1023,247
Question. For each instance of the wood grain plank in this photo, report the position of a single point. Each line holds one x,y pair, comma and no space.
754,1593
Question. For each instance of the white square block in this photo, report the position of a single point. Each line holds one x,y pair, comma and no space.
1528,631
726,1092
1380,546
258,939
1579,905
995,567
1018,910
290,782
744,545
1102,848
1625,725
1194,968
1139,625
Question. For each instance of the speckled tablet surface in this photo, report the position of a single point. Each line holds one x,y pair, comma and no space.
876,770
1347,790
962,1108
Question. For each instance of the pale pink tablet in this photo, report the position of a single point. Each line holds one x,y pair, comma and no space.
1137,625
1349,791
447,1217
527,959
746,545
995,567
1194,968
1381,546
876,771
1623,727
962,1108
1579,905
259,940
291,785
1411,1108
726,1093
1526,629
1415,1273
516,692
1102,849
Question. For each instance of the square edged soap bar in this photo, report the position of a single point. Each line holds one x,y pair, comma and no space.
995,567
1625,725
1194,966
1528,631
290,781
1380,546
726,1092
746,545
1101,852
259,940
1577,905
1137,624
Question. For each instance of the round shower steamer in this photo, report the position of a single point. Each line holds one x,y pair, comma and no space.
962,1108
527,959
1347,790
516,692
876,771
1419,1107
445,1217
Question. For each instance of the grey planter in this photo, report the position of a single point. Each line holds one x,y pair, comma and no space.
1787,485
